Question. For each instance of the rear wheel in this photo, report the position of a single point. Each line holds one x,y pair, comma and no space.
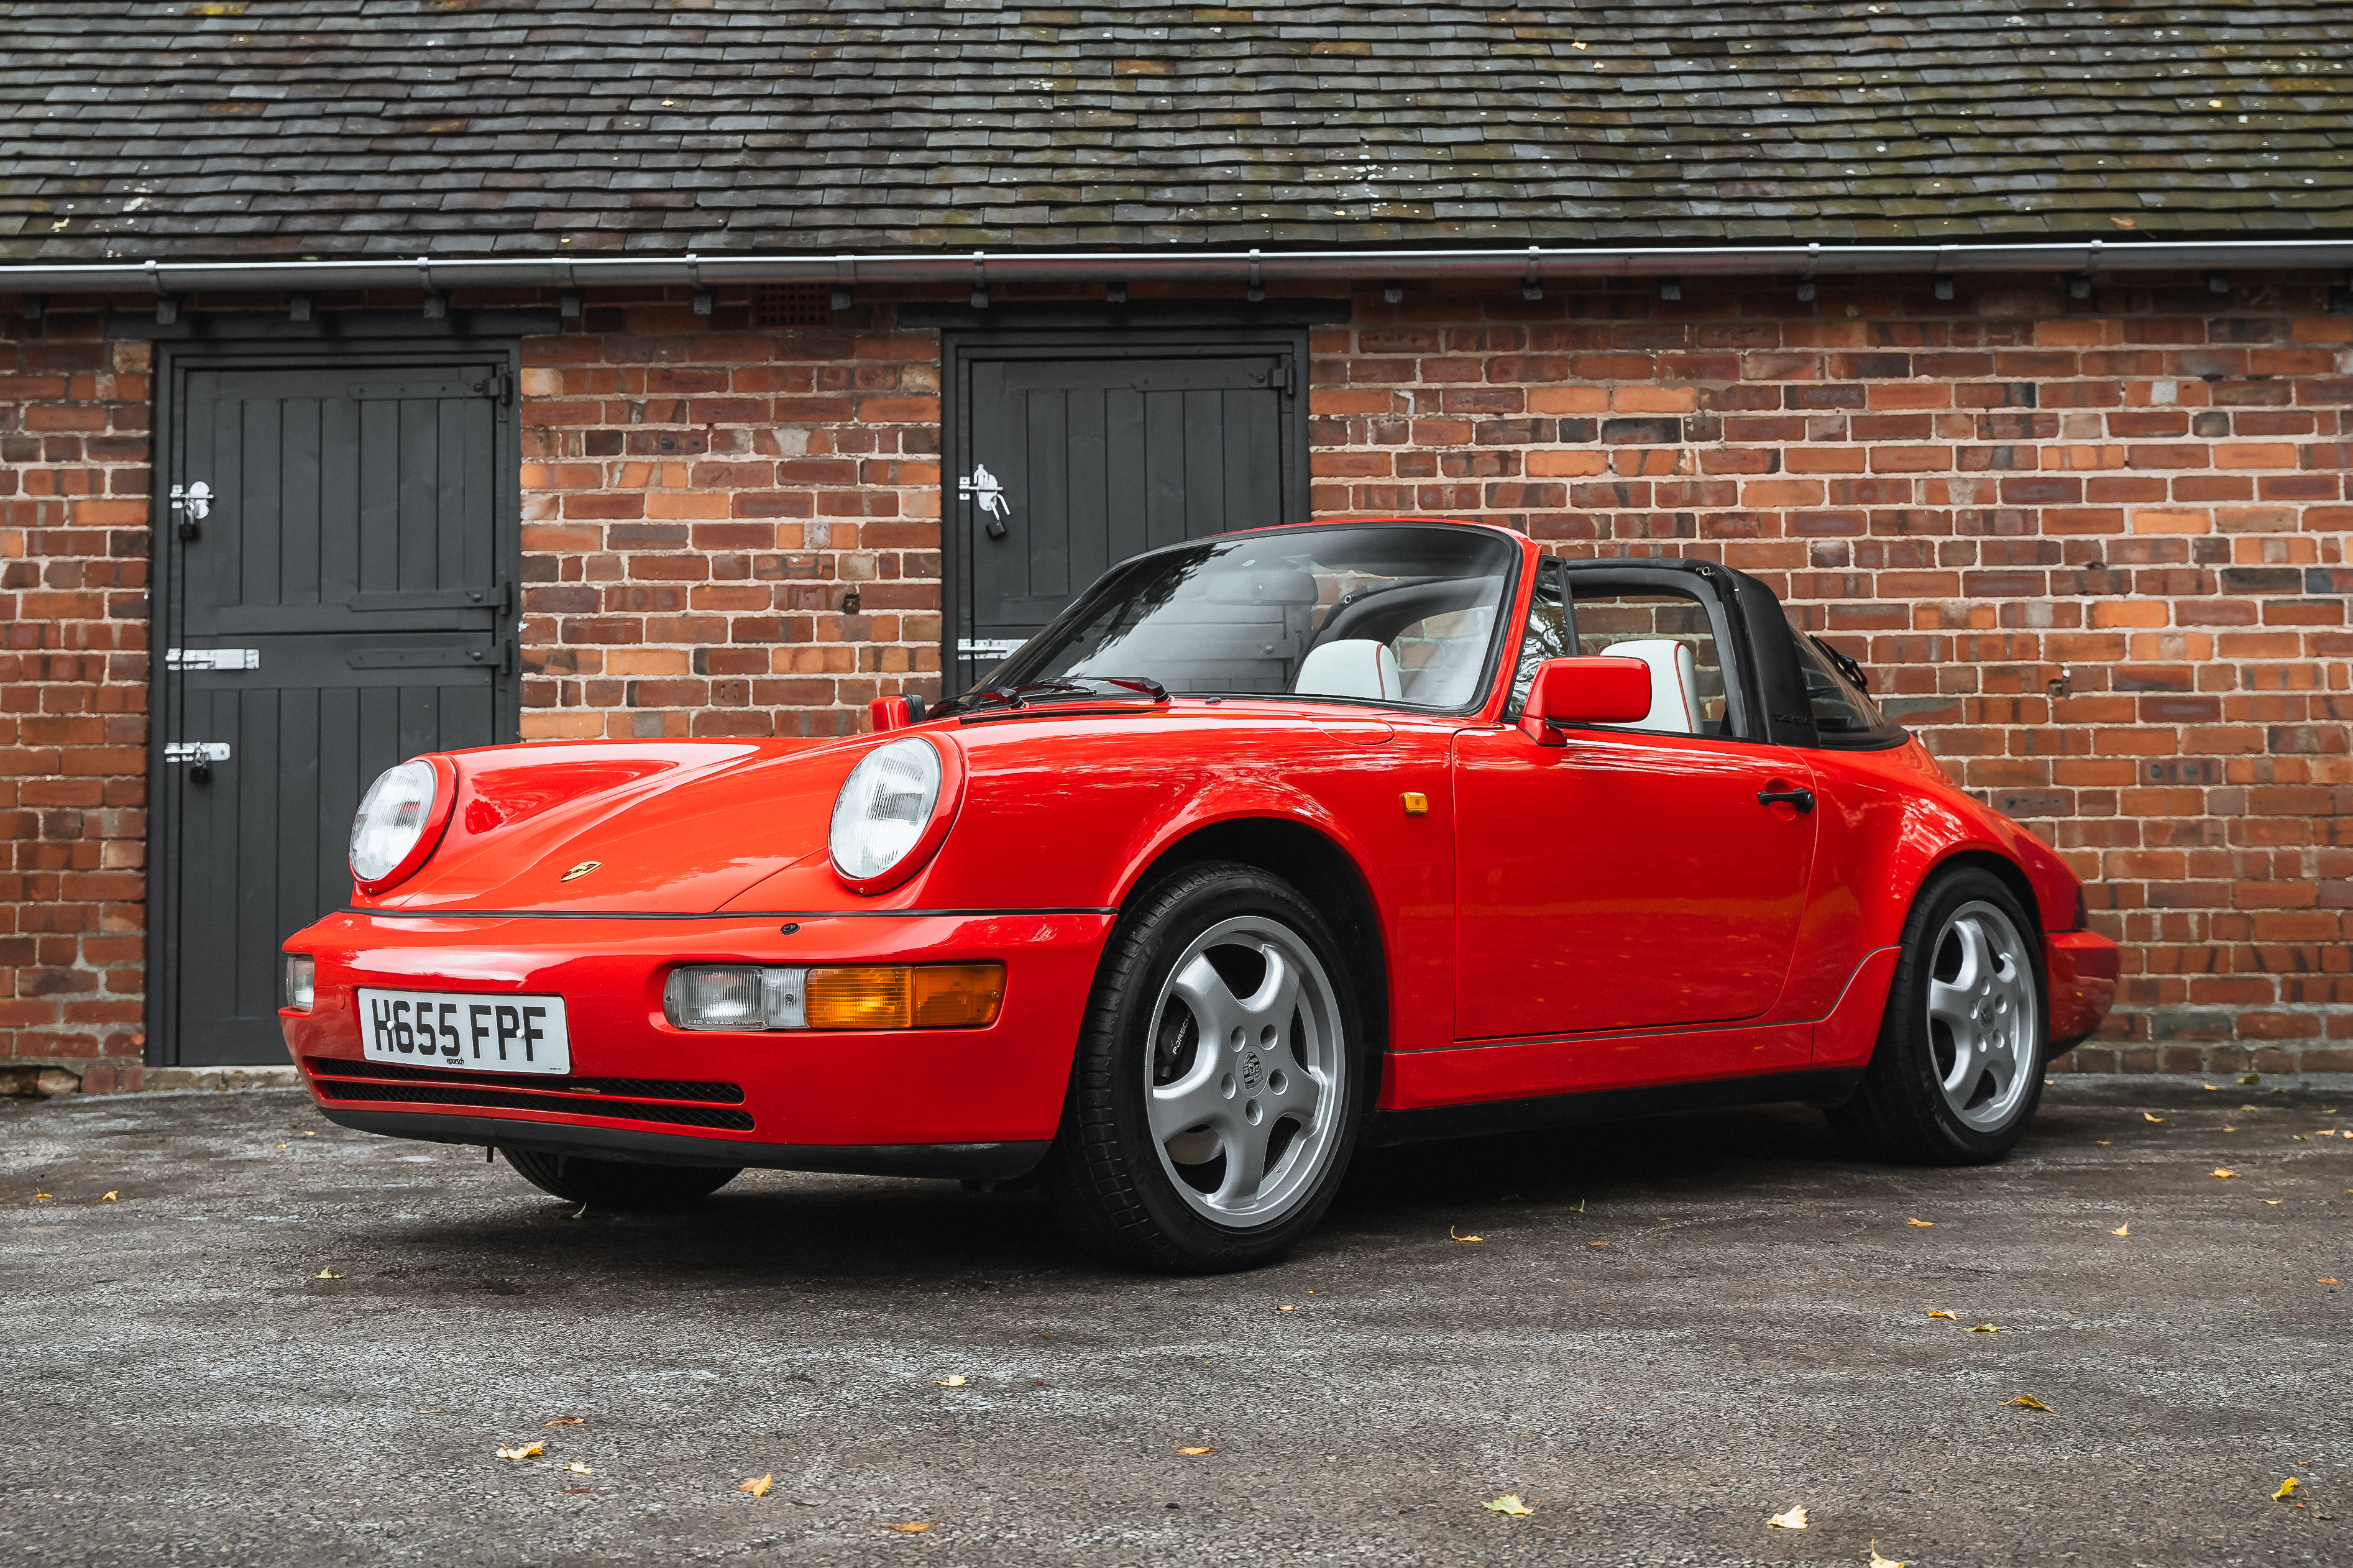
1958,1072
1219,1087
618,1184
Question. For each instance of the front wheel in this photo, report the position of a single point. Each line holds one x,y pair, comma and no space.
1219,1087
618,1184
1958,1072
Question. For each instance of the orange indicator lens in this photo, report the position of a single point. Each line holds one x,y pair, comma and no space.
897,996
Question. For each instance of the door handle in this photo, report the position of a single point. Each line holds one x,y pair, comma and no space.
1803,799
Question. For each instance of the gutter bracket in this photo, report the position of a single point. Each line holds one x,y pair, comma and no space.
167,306
1257,289
1532,286
2080,286
979,281
436,304
1806,291
700,296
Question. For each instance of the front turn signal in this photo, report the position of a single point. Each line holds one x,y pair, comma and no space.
904,996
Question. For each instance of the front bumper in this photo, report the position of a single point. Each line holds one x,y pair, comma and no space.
2082,966
911,1101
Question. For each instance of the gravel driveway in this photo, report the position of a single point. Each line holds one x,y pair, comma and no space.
281,1341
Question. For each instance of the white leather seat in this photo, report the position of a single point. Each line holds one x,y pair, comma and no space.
1353,666
1674,682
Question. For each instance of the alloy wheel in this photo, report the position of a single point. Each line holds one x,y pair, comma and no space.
1981,1016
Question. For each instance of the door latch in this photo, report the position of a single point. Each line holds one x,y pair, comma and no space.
987,491
200,756
194,503
212,658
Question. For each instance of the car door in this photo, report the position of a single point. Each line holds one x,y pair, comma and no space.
1629,878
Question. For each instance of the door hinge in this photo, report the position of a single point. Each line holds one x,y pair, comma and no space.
498,386
196,752
1282,381
212,658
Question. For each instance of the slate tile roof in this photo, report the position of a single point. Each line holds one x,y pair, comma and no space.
222,129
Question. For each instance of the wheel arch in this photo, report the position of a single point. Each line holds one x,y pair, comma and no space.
1326,875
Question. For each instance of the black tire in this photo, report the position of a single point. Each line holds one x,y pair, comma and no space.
1113,1185
619,1183
1903,1109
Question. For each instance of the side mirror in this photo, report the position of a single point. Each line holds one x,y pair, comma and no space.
1598,688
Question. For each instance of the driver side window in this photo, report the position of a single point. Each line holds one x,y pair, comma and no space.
1671,631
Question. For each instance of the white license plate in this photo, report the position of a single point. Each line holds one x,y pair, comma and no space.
465,1029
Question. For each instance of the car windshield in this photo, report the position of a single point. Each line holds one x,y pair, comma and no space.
1402,614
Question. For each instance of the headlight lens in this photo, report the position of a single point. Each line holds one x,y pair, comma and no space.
300,987
391,818
883,808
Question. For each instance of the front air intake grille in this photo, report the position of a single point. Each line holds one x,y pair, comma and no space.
637,1088
561,1104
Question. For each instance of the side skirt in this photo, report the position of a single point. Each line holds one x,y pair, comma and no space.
1820,1087
965,1161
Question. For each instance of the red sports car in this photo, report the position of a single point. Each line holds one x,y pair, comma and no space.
1273,845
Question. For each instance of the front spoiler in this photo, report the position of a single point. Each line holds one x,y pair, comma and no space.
953,1162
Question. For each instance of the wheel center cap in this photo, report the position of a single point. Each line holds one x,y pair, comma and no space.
1252,1071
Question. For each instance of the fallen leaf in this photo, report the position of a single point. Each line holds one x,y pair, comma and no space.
2222,1173
1451,1236
2120,222
326,1274
582,1214
567,1420
110,1197
2124,1229
2211,1088
2029,1401
579,1492
2250,1108
2102,1142
1923,1224
281,1145
437,1410
2145,1116
40,1197
528,1451
1576,43
310,1134
578,1468
758,1485
2275,1203
953,1380
908,1528
1876,1560
1286,1307
1509,1503
1987,1329
1793,1520
2287,1489
2328,1281
1943,1315
2230,1129
2252,1078
1196,1453
1596,1244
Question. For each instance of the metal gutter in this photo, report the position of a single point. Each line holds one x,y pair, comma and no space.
1527,264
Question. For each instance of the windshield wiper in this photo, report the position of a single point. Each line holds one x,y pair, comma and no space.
1066,689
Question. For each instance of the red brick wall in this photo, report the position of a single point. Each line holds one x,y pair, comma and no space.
2148,489
73,698
699,498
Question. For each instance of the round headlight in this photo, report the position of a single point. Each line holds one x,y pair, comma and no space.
393,816
885,805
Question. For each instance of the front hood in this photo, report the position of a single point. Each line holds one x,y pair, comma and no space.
671,830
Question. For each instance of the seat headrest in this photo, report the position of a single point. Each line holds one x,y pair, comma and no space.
1353,666
1674,682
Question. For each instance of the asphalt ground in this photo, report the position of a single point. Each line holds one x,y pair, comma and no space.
280,1343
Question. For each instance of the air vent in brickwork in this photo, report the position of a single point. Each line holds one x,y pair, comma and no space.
792,305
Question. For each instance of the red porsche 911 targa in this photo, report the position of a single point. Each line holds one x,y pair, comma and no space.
1274,844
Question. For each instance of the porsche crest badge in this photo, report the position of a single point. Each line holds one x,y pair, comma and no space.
580,870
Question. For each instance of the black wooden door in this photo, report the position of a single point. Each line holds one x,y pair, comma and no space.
1064,458
338,597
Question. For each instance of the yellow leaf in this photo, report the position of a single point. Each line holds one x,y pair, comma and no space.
1509,1503
2222,1173
1286,1307
2125,1229
2211,1088
1923,1224
2287,1489
908,1528
310,1134
2327,1281
2029,1401
1451,1235
528,1451
758,1485
2275,1203
326,1274
40,1197
579,1469
2102,1142
1934,1314
1793,1520
1987,1329
110,1197
953,1380
2145,1116
1596,1244
1876,1560
1196,1453
2252,1078
567,1420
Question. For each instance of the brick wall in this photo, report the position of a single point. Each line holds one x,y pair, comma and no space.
698,499
2145,491
73,699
